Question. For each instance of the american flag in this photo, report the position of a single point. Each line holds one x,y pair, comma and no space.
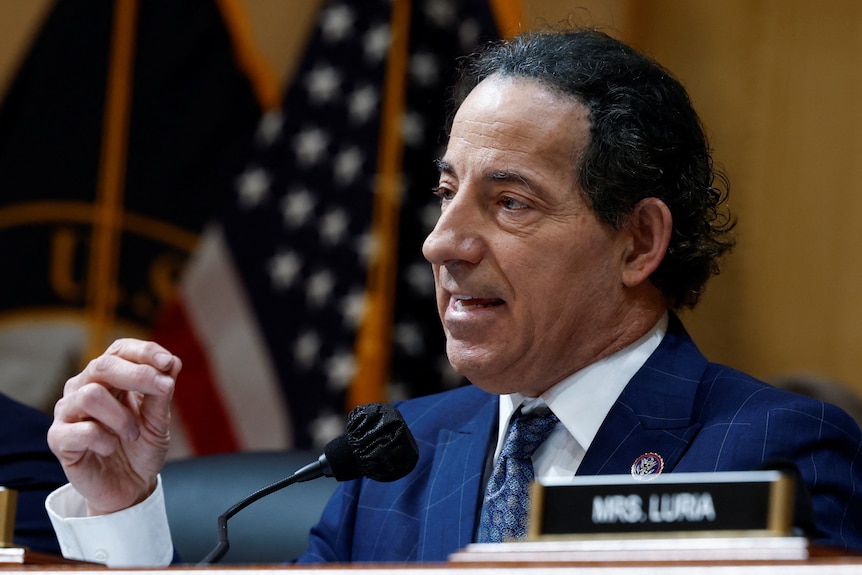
276,303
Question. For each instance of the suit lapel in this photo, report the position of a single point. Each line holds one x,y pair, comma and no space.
655,412
456,484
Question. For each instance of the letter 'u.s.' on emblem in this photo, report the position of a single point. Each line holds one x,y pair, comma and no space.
647,466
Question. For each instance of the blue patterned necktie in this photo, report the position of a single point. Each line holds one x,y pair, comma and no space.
507,497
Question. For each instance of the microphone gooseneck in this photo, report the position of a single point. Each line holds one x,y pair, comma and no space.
377,444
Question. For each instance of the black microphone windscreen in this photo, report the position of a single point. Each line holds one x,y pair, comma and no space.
382,443
339,461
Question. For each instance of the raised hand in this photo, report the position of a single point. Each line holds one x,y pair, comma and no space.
111,427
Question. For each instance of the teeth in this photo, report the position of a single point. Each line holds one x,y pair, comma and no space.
462,305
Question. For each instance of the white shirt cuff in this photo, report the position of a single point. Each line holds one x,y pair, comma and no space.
135,537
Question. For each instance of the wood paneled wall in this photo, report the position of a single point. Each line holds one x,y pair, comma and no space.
778,83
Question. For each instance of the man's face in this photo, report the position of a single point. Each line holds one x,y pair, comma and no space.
528,280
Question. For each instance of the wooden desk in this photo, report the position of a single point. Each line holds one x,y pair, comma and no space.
780,556
832,566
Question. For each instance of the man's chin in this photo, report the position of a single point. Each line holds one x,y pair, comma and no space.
495,388
480,375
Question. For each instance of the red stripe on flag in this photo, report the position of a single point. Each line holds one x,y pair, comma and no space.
197,398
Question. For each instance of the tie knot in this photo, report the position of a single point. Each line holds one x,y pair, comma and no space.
527,433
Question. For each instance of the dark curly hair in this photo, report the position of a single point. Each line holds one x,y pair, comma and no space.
646,141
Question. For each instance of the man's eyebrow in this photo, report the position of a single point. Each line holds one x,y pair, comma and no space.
444,166
496,176
507,176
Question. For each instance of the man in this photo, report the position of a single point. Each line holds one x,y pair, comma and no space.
577,212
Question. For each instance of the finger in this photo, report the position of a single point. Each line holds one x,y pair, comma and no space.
144,352
71,442
152,413
120,374
94,402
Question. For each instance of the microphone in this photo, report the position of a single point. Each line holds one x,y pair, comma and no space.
377,444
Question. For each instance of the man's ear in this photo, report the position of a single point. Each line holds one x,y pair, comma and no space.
648,231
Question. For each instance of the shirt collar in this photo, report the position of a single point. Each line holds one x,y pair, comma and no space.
582,401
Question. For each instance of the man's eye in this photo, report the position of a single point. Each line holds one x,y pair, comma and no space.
443,193
512,203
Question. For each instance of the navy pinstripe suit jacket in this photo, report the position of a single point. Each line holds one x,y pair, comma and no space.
697,415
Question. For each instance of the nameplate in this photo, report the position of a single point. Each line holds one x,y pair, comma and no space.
729,503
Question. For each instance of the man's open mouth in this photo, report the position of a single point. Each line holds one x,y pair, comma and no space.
466,303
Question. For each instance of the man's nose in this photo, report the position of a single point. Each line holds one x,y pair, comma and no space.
457,235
